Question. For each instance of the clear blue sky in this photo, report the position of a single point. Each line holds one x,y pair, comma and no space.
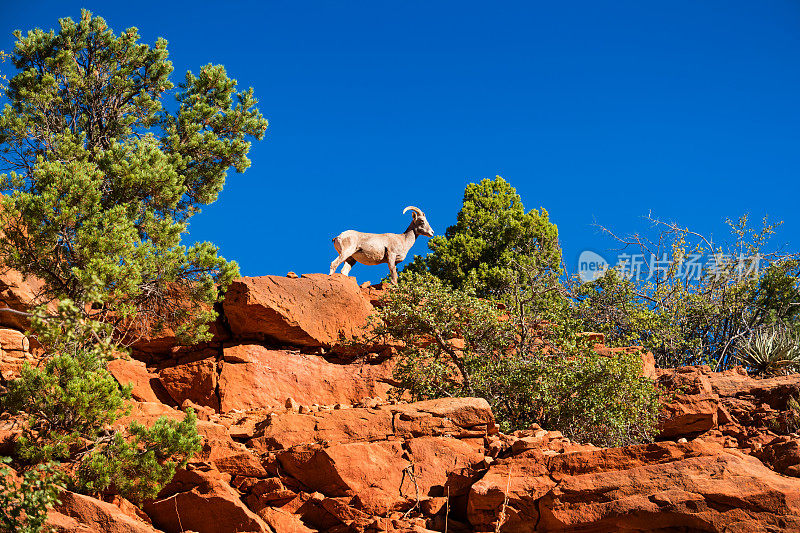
596,111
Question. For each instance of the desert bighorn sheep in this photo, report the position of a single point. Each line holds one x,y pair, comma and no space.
377,248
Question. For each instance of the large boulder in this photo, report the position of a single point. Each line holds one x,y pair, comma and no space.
146,385
18,293
371,471
194,380
77,513
385,475
209,505
253,376
313,310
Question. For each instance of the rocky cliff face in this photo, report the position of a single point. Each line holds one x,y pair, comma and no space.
300,436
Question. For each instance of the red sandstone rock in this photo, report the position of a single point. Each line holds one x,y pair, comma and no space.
687,379
448,417
256,377
444,416
524,480
314,310
211,506
82,514
372,471
350,469
195,381
284,430
225,454
373,293
146,386
14,342
667,486
19,293
385,475
774,391
649,365
283,522
359,453
689,415
783,455
441,462
15,351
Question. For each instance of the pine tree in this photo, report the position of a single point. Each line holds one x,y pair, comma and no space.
104,177
494,242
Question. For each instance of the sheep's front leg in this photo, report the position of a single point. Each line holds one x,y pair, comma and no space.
392,269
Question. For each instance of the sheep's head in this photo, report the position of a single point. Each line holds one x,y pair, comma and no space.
420,223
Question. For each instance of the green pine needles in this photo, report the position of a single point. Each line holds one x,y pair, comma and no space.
137,463
105,177
72,404
25,502
492,242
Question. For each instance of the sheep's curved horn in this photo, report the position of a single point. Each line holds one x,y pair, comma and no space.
416,209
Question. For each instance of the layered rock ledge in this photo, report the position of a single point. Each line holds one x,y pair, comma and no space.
300,436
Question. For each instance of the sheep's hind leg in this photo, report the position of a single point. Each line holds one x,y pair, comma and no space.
335,264
349,262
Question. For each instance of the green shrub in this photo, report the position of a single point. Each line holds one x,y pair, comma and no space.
137,465
455,344
697,320
70,404
67,400
106,202
98,215
25,504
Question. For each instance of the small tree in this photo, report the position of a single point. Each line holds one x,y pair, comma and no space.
493,243
454,344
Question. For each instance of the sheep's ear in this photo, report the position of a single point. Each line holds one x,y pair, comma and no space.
414,215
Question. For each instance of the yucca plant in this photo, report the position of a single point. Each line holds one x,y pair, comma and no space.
771,351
